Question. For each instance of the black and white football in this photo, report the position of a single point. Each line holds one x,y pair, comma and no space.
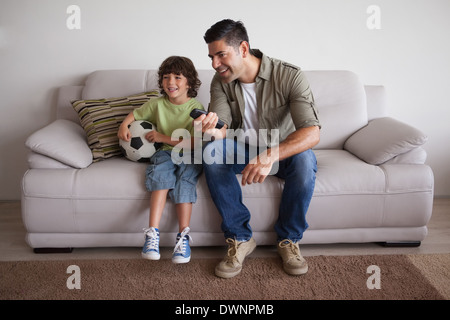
139,148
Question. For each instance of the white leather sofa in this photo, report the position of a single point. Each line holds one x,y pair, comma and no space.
372,184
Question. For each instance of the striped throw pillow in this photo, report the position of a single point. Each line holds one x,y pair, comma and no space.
101,119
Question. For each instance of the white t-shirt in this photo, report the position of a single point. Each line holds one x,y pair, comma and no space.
251,124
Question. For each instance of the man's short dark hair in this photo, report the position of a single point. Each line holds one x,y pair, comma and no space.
233,32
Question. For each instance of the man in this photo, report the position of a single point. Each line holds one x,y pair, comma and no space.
253,92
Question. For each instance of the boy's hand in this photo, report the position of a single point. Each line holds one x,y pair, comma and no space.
154,136
124,133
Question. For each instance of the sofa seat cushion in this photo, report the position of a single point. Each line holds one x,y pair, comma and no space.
340,172
110,196
352,194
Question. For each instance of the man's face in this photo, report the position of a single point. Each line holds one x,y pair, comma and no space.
226,60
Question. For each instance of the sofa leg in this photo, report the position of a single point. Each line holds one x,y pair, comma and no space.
400,243
52,250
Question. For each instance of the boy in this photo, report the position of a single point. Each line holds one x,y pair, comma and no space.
178,83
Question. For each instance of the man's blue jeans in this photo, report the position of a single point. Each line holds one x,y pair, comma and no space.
223,159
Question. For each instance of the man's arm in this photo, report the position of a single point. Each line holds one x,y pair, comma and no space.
306,136
298,141
218,109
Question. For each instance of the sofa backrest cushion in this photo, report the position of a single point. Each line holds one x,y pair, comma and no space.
118,83
339,96
341,102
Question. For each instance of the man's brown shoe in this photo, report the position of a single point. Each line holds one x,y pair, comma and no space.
231,265
293,262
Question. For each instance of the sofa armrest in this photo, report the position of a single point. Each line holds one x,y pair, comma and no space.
383,139
415,156
64,141
39,161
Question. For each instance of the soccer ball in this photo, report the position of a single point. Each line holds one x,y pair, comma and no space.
139,148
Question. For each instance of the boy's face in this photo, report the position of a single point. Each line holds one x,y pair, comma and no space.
176,87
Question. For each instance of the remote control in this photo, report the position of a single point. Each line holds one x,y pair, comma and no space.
197,113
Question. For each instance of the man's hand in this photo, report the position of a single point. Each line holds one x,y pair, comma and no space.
208,121
208,125
259,168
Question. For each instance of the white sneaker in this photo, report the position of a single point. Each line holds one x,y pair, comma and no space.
182,251
151,247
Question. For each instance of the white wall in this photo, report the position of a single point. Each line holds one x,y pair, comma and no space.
38,53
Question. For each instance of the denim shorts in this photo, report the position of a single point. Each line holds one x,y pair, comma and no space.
179,178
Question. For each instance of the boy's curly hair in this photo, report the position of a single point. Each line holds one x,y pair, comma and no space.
180,65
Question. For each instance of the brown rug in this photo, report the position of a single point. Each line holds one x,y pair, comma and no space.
401,277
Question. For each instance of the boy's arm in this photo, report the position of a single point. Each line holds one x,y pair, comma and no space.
186,143
124,133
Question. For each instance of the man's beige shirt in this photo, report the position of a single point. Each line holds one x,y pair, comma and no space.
284,99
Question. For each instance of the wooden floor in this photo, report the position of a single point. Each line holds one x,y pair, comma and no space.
13,246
